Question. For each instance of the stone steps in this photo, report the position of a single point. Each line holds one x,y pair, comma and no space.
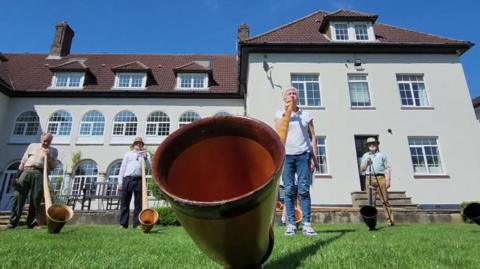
397,199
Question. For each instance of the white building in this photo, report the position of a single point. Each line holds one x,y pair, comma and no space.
358,77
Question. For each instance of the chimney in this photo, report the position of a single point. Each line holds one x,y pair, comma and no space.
243,32
62,42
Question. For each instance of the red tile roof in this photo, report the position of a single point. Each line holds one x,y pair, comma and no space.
306,31
31,72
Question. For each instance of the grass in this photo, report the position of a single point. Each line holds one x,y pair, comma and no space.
336,246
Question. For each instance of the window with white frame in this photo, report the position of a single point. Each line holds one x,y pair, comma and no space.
92,124
412,90
361,31
322,155
425,155
85,178
130,80
125,124
359,92
113,174
26,124
352,31
60,123
68,80
308,87
192,81
341,31
158,124
56,178
188,117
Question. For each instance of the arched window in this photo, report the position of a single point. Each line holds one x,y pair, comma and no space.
92,124
85,177
222,113
113,177
6,186
60,123
158,124
125,124
26,124
187,118
56,178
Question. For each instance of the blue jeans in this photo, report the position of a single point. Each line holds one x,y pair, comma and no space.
300,165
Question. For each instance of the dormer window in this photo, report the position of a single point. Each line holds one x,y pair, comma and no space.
68,80
130,81
131,76
352,31
341,31
197,81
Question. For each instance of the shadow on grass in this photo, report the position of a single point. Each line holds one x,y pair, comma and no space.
294,259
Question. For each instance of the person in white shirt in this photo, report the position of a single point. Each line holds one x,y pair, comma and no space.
130,182
300,161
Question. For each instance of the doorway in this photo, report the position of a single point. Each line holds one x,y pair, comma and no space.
361,148
6,186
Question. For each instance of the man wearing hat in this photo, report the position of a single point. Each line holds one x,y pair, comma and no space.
130,181
378,173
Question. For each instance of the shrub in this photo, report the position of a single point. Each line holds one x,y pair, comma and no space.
462,207
167,217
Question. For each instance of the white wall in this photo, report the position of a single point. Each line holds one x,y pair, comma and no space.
452,119
105,153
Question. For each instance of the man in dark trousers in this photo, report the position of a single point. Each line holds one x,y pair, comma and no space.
130,182
31,180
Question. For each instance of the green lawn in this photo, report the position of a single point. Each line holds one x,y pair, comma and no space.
336,246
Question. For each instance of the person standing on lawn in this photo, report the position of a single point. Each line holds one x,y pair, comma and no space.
30,179
377,173
130,182
300,160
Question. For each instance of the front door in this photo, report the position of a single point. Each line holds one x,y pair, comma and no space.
6,187
361,148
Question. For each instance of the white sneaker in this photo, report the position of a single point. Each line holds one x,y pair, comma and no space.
308,230
291,230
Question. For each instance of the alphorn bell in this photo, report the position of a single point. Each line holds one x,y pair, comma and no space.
57,214
472,211
220,174
148,217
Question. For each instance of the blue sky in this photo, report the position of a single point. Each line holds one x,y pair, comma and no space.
209,26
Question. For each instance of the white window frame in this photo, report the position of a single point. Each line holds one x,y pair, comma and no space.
112,180
116,85
78,179
122,138
56,75
352,37
326,173
203,75
292,82
53,179
60,139
90,139
157,125
424,156
184,123
409,82
350,92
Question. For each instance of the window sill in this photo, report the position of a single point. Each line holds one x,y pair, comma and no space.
323,176
121,140
61,140
312,107
431,176
363,108
90,140
191,89
64,88
416,108
129,89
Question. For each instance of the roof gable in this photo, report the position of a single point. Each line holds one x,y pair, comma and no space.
132,66
194,67
70,65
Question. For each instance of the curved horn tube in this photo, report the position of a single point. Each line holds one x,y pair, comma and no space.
472,211
369,216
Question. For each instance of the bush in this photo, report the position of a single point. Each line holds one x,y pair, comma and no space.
167,217
462,207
